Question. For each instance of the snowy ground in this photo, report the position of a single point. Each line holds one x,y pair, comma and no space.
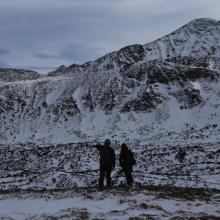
117,203
29,166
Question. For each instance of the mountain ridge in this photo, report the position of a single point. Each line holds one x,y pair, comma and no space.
195,23
160,98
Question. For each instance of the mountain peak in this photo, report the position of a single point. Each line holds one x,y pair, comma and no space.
203,20
202,24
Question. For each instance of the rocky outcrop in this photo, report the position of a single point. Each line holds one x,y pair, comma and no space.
11,75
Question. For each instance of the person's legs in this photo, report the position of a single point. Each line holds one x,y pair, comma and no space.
128,175
101,177
108,176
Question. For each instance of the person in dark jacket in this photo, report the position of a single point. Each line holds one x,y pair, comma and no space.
107,163
127,161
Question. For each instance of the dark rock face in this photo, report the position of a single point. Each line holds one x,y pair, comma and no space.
129,55
146,102
202,62
137,72
188,98
88,102
198,73
67,106
161,72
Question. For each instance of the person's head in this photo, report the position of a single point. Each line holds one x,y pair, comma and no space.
107,142
124,146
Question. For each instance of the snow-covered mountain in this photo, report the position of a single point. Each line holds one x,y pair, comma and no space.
164,93
171,84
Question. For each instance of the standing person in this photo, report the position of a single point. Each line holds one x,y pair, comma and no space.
107,162
127,162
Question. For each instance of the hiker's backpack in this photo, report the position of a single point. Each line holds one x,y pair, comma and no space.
128,158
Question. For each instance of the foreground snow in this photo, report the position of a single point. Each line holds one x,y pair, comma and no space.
151,203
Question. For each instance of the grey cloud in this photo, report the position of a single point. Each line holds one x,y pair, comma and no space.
4,51
41,55
75,52
40,69
3,64
80,52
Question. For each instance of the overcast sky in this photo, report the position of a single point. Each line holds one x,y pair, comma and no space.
44,34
